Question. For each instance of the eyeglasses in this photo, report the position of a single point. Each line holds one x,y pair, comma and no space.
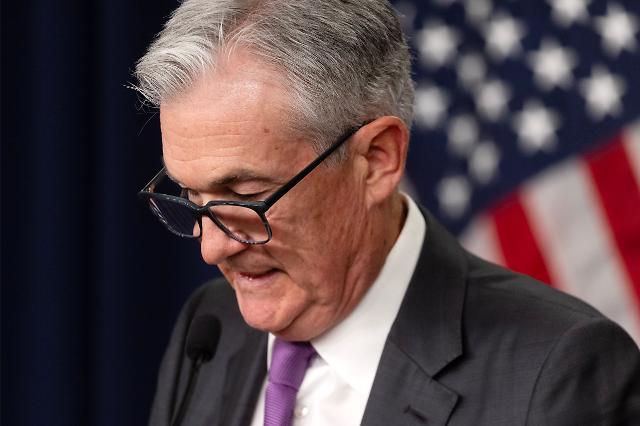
244,221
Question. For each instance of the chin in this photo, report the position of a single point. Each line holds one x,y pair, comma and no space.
285,324
259,313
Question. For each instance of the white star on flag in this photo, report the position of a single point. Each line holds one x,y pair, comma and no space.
552,65
536,127
471,69
462,134
503,35
454,193
477,10
618,30
483,164
430,105
602,92
437,43
567,12
491,99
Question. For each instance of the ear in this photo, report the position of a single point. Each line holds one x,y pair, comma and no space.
381,147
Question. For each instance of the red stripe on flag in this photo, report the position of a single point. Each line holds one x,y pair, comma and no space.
520,249
619,195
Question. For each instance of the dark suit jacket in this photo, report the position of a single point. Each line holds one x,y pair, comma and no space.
473,344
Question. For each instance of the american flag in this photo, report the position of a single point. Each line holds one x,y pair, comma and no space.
527,138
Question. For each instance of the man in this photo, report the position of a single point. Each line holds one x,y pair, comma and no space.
285,128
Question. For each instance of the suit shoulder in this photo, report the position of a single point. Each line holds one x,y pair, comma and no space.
596,366
511,301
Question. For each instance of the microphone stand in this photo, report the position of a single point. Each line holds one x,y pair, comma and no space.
202,341
191,384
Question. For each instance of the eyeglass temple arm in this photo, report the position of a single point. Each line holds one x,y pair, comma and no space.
297,178
162,173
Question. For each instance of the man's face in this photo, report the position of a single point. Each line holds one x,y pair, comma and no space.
227,138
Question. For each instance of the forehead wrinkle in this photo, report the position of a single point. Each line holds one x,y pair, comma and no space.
224,157
205,129
200,148
197,141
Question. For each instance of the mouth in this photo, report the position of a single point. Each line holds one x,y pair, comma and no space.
255,278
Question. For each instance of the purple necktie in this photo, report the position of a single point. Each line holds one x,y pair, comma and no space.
289,361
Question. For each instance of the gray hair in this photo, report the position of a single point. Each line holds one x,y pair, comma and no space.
345,61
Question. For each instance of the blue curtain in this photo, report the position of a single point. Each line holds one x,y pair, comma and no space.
91,283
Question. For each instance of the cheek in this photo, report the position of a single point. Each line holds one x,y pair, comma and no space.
307,226
319,234
340,220
301,247
318,223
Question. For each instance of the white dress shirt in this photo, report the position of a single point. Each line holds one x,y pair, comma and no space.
338,381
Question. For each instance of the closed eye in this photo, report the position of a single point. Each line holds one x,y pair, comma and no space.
196,198
191,195
253,196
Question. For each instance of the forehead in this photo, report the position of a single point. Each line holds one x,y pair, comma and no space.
241,92
237,116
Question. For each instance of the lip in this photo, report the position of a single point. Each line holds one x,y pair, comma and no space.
255,278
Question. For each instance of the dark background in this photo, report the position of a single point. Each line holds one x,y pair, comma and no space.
91,283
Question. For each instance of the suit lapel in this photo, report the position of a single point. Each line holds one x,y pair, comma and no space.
245,374
425,337
241,363
403,394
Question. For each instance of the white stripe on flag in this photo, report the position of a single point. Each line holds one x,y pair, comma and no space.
575,241
480,239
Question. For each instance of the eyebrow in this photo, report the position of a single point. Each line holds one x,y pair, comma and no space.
234,177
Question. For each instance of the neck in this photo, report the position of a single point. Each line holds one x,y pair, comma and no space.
383,230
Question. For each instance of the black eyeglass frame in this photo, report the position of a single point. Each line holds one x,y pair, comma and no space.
260,207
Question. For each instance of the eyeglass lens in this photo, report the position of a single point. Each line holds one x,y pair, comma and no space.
242,223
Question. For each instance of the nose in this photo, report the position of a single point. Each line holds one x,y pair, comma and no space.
215,245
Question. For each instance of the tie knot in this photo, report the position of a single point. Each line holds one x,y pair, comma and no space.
289,362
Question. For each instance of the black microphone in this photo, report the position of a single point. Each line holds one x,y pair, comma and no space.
202,342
